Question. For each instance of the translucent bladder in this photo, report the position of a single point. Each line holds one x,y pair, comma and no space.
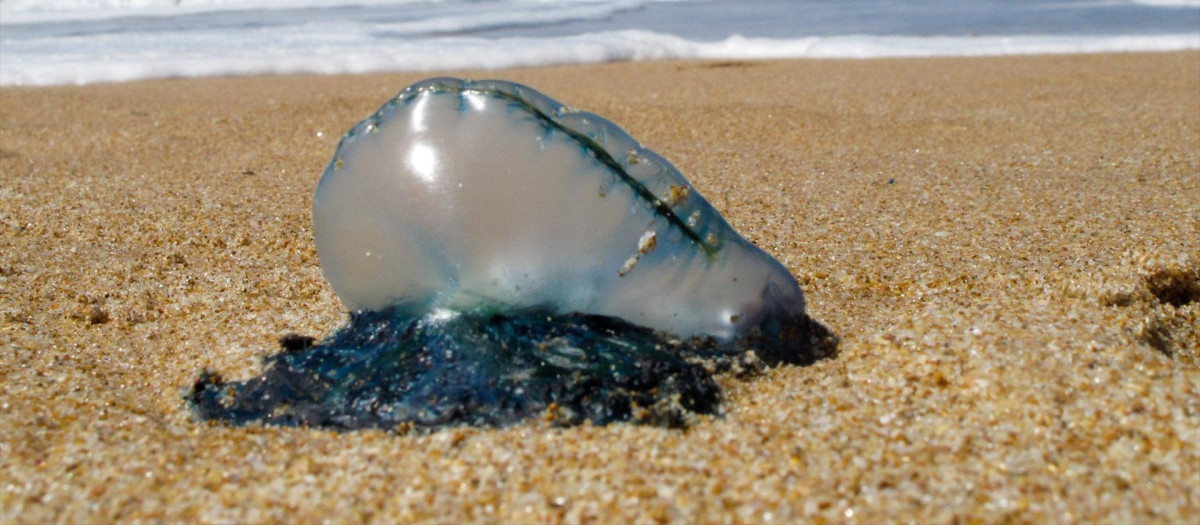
458,194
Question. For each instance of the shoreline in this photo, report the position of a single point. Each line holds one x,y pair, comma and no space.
1000,242
487,73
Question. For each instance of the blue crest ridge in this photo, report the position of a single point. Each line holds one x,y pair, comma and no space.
544,111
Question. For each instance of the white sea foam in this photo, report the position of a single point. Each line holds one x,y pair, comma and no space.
245,56
517,15
40,11
83,41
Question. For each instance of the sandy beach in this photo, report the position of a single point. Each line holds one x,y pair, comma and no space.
1009,249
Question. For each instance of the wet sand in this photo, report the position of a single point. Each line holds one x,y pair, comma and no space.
1008,247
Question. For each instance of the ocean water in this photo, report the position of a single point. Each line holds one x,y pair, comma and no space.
82,41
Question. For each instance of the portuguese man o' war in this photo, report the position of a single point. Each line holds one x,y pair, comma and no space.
504,255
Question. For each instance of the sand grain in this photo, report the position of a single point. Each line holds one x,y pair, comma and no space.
1006,245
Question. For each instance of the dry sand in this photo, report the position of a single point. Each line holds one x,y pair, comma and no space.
1008,247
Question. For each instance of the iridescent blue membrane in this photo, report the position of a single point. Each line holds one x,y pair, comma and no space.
504,256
